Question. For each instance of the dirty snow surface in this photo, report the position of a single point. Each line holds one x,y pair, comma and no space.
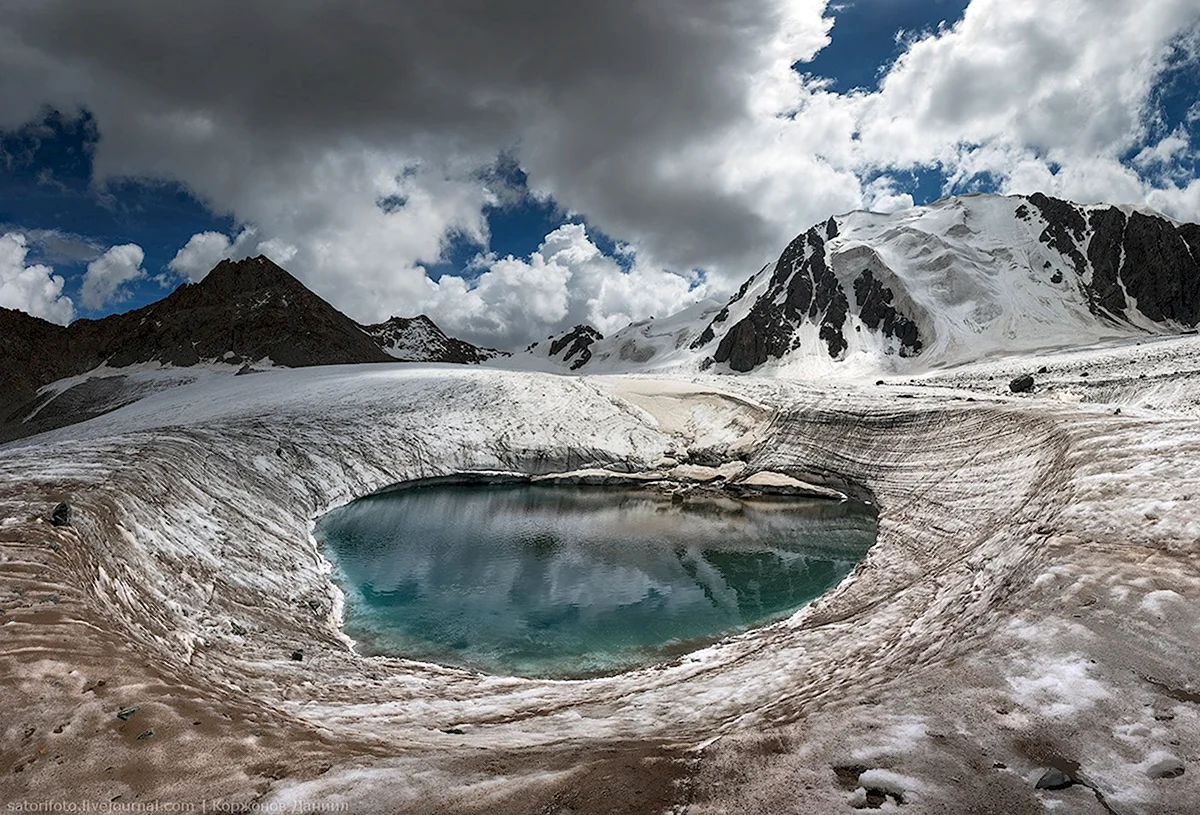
1030,604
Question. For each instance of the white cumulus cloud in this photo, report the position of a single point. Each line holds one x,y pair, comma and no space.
33,289
106,277
567,281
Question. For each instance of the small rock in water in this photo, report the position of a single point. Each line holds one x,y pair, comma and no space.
145,734
126,713
297,655
61,515
1054,779
1022,384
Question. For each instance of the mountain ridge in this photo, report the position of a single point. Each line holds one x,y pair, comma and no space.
242,312
962,278
419,339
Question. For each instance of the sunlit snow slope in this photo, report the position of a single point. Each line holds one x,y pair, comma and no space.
958,280
930,287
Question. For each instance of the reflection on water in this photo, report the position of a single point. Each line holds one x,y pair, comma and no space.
574,581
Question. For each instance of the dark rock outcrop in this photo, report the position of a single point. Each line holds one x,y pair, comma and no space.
802,288
574,347
1153,260
878,313
1104,253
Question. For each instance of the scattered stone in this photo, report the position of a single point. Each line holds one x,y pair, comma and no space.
1084,373
1043,370
245,369
237,629
279,452
126,713
452,731
1022,384
297,655
876,798
847,776
1117,412
1054,779
61,515
145,734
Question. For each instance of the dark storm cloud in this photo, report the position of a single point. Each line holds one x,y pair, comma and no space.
599,90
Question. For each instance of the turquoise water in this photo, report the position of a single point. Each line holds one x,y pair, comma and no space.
552,581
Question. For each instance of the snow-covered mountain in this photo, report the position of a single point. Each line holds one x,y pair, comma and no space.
955,281
961,279
653,344
418,339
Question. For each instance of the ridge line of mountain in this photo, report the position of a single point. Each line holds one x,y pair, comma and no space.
243,312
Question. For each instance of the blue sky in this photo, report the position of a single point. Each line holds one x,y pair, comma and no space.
155,161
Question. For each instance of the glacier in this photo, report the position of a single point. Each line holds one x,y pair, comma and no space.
1029,595
1029,604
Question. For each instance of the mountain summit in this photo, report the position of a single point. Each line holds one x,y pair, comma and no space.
955,281
242,312
960,279
418,339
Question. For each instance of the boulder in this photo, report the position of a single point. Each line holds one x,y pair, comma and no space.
1054,779
1022,384
61,515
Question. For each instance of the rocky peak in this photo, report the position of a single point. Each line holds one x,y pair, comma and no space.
970,276
419,339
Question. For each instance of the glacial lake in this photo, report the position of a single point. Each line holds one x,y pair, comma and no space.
569,582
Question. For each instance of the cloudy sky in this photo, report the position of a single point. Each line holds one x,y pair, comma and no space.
513,168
